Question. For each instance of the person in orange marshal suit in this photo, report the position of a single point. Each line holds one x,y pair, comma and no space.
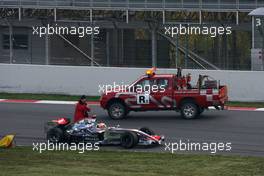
81,109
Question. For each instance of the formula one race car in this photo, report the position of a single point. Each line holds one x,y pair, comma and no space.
88,130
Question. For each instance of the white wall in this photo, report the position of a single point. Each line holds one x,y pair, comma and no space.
243,85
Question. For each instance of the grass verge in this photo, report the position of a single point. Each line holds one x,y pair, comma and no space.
61,97
22,161
246,104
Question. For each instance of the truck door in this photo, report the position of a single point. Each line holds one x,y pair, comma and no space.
156,94
161,98
142,89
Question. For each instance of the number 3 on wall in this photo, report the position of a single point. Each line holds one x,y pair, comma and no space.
258,22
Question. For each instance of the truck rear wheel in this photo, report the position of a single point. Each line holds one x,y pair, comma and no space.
189,110
117,110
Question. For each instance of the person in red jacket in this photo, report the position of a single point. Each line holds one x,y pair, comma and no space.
81,110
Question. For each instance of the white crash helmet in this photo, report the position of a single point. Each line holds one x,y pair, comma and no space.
101,125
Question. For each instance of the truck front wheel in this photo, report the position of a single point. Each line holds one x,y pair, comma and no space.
117,110
189,110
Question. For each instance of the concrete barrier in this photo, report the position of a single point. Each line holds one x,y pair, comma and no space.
243,85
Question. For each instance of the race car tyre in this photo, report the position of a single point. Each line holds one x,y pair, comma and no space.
55,135
129,140
117,111
189,110
147,130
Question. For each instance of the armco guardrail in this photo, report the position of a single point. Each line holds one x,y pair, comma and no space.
242,85
232,5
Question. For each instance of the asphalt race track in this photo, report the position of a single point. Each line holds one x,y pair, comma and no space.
244,129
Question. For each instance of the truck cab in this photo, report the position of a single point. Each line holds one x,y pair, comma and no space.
156,92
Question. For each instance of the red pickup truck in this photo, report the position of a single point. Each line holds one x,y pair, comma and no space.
165,92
